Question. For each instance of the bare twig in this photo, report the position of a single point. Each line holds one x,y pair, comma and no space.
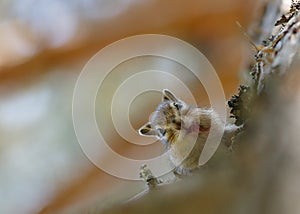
279,50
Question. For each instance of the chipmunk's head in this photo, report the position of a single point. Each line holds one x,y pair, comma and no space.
167,120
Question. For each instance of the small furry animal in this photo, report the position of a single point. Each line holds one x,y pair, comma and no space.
184,130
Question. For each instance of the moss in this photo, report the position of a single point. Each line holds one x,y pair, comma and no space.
241,105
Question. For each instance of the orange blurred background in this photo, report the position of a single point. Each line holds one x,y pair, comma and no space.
44,45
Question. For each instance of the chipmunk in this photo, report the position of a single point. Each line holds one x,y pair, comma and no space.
184,130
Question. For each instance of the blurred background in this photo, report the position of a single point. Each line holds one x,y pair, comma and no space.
45,44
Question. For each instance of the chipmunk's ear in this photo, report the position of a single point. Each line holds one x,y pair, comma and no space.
169,96
147,130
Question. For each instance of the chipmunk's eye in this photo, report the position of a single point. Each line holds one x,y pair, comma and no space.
162,132
177,105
